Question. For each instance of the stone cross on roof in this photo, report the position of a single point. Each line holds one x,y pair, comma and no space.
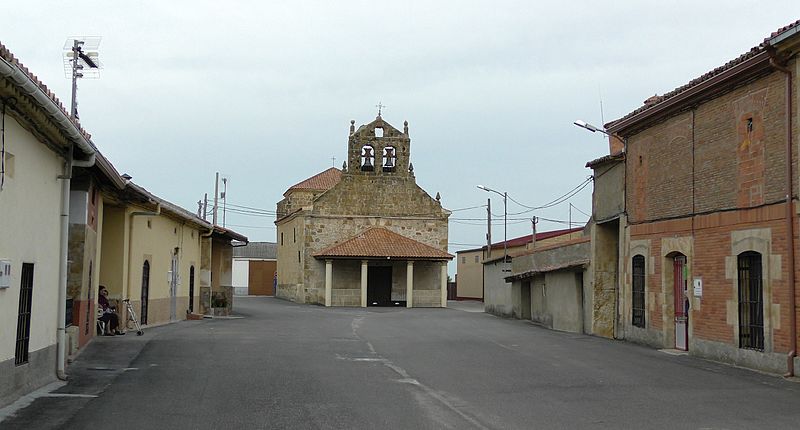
380,107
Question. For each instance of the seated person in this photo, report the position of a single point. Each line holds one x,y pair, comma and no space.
109,315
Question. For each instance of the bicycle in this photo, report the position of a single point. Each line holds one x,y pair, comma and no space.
132,320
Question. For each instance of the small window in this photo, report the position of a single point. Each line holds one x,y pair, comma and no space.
378,131
367,158
281,238
477,258
463,260
751,302
638,294
294,234
24,317
149,224
298,256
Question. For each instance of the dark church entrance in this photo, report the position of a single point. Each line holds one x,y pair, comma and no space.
379,286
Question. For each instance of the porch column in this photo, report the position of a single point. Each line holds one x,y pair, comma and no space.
328,281
363,283
444,284
410,284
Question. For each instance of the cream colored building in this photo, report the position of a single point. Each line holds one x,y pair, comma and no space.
367,234
36,137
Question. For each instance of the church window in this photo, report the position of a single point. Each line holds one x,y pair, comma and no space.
389,159
281,238
378,131
367,158
294,235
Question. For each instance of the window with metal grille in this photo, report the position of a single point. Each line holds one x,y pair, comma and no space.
751,302
637,295
24,318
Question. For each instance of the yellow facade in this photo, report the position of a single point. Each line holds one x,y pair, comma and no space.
134,237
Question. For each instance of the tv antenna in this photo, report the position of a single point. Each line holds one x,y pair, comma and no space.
81,60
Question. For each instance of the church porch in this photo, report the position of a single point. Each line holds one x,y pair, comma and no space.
384,281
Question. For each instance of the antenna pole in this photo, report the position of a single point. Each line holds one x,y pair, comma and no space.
76,49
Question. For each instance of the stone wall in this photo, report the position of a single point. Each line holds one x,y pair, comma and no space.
346,297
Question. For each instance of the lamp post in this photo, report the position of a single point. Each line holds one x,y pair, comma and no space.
505,219
585,125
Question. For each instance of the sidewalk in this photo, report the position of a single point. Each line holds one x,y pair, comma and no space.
466,305
94,369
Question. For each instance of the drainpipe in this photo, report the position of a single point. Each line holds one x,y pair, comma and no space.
61,333
130,241
774,62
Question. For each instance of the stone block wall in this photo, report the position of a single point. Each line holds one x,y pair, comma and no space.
346,297
427,298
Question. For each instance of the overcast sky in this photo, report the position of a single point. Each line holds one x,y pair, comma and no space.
263,92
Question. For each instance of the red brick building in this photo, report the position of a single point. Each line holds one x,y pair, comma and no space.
708,243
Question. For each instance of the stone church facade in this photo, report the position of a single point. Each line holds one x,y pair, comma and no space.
365,235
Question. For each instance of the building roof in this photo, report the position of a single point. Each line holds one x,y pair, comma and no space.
567,265
322,181
524,240
605,159
261,250
743,64
378,242
13,70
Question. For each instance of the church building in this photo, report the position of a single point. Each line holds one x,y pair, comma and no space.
365,235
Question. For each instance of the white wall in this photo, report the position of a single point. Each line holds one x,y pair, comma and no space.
29,233
241,275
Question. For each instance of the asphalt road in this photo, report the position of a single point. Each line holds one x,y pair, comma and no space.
288,366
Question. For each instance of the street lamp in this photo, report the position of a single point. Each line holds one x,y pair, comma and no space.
583,124
505,219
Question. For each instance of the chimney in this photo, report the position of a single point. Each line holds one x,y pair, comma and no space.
652,100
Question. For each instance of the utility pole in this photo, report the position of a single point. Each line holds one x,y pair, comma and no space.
533,237
205,207
216,200
570,218
199,208
224,198
488,229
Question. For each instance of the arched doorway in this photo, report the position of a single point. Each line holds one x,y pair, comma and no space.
191,289
145,291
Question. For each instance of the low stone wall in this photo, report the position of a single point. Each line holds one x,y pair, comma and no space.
346,297
727,353
427,299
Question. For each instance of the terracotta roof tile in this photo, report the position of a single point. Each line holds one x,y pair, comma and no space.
657,100
524,240
378,242
321,181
